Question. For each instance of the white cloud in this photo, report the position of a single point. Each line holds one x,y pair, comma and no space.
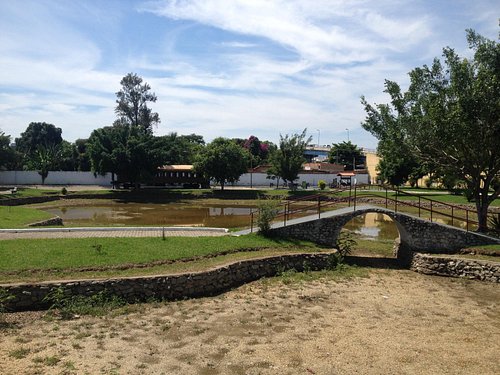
280,65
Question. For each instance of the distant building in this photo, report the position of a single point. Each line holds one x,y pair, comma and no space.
371,163
317,153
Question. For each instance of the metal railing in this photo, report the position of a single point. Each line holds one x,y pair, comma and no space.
391,198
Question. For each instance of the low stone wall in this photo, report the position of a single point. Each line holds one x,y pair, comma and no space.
456,267
46,223
170,287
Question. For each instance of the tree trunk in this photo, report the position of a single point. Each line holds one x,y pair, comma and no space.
222,186
482,204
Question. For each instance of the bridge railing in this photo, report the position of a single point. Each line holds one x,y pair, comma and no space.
391,198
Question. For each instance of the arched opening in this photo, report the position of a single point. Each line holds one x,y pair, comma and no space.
375,234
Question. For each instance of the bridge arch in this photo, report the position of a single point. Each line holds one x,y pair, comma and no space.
415,234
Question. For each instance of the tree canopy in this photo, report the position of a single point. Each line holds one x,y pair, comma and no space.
7,155
449,119
128,148
132,100
222,160
346,153
38,134
287,160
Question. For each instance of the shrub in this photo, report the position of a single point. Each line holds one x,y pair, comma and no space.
268,209
322,184
69,306
64,191
345,243
4,298
494,224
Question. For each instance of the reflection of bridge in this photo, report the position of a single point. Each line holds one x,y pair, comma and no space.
322,225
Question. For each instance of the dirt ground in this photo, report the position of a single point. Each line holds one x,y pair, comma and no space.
391,322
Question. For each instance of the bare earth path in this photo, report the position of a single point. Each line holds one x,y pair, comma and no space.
392,322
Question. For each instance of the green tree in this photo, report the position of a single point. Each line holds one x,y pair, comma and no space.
132,100
125,152
45,159
38,134
7,153
346,153
82,157
450,118
179,149
222,160
287,160
128,148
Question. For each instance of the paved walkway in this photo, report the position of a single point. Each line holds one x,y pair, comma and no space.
304,219
11,234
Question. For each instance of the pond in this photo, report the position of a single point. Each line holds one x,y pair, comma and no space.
138,214
373,226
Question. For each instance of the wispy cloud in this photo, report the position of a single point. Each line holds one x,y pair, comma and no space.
218,67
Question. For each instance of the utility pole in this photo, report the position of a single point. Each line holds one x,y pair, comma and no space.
318,135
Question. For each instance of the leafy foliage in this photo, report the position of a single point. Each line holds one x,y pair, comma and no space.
38,134
345,243
448,120
287,160
222,160
268,209
128,148
67,306
132,108
346,153
7,154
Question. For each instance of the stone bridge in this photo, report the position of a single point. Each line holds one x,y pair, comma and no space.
415,234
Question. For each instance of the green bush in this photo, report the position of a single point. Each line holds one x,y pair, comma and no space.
268,210
64,191
322,184
68,306
345,243
4,298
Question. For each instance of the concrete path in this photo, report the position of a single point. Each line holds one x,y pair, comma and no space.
304,219
32,233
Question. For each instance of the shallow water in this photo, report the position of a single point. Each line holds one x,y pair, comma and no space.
374,226
136,214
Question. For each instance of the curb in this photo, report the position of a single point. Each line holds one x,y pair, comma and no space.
114,229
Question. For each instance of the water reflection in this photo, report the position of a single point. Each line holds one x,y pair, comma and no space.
155,214
373,226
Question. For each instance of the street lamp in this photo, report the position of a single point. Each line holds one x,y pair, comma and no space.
318,135
348,140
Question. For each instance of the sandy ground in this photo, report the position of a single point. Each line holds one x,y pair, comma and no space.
392,322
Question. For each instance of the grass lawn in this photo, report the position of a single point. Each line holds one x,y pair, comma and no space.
60,257
17,216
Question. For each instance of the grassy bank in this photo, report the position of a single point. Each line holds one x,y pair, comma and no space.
17,217
23,260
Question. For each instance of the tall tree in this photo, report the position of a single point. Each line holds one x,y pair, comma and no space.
287,160
132,100
222,160
7,154
346,153
123,151
128,148
38,134
450,118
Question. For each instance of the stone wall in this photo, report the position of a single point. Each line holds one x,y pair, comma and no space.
415,234
49,222
171,287
456,267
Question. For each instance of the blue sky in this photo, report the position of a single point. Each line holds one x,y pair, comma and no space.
231,68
